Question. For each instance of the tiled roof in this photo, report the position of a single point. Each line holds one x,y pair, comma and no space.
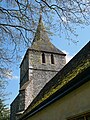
75,72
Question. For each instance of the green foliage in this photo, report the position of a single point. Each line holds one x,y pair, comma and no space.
4,111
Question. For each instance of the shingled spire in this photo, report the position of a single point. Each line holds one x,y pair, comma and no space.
41,40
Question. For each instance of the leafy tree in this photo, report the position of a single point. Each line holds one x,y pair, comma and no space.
19,18
4,111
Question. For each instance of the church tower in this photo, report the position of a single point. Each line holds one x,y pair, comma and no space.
40,63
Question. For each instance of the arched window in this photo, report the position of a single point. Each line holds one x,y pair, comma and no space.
43,58
52,59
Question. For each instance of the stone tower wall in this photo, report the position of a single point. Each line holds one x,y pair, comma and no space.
17,106
29,94
33,76
14,108
35,61
24,70
40,73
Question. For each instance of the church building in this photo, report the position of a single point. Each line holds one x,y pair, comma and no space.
50,89
40,64
67,95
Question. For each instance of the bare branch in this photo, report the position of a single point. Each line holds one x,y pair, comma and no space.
16,26
19,19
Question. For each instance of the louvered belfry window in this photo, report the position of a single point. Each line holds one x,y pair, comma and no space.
43,58
52,59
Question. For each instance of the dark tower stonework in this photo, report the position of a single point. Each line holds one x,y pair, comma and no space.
41,62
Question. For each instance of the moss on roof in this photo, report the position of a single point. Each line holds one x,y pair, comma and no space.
61,83
76,66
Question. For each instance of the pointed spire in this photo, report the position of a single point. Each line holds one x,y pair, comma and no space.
41,33
41,40
40,16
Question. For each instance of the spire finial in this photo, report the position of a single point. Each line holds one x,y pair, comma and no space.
40,14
